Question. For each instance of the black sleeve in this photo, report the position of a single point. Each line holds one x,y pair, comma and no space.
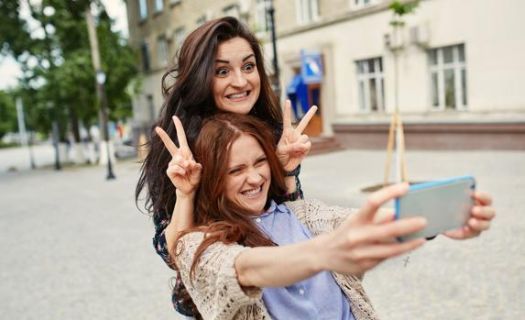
159,242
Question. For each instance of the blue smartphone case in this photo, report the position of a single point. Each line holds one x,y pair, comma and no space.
445,203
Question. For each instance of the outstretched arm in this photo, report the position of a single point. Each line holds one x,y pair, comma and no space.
185,174
359,244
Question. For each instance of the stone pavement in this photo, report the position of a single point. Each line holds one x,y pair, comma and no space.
74,246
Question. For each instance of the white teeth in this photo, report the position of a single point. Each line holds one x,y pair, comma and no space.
238,95
252,191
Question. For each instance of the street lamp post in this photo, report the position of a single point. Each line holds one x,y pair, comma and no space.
276,82
49,11
101,79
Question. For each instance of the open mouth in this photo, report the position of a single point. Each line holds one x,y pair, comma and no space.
252,193
238,96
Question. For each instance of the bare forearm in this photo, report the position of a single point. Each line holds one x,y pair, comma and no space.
279,266
181,218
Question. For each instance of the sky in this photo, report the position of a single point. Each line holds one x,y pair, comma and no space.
9,69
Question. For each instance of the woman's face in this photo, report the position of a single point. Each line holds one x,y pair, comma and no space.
248,176
236,82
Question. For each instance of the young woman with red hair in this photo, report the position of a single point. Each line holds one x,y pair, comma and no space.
250,256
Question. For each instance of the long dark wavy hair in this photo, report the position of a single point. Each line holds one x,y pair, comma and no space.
219,217
187,89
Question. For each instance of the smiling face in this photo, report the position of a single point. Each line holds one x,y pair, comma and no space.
236,82
248,177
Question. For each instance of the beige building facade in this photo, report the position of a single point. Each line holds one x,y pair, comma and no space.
460,70
460,64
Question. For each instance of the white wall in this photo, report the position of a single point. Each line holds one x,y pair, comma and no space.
494,38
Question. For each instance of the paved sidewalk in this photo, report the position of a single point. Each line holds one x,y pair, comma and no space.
74,246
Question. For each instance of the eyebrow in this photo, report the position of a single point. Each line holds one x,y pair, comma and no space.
243,59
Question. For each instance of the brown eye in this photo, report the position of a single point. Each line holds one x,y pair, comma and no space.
234,171
261,161
222,72
249,67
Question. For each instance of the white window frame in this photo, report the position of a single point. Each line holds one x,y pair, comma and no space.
261,16
143,9
178,37
201,20
439,69
360,4
302,11
159,5
364,79
162,51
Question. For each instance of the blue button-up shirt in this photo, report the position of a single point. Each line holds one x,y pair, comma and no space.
318,297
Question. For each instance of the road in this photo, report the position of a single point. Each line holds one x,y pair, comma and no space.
74,246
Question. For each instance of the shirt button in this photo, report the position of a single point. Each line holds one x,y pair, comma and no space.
301,292
258,219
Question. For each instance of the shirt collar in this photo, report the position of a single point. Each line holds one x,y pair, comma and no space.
274,208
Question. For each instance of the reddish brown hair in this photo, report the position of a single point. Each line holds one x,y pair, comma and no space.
222,219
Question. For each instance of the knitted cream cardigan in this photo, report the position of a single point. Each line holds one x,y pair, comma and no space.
216,291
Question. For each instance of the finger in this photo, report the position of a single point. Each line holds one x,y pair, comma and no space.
478,225
483,198
168,143
462,233
385,232
181,135
176,171
384,215
380,197
287,115
385,251
306,119
485,213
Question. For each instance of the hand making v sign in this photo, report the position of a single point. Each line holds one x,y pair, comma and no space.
182,170
294,145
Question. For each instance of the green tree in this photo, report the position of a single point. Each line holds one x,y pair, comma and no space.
7,114
58,78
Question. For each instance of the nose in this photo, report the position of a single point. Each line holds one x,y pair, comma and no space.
238,79
254,177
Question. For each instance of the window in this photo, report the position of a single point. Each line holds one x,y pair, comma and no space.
178,38
143,9
448,77
159,5
145,56
231,11
371,87
307,11
201,20
359,4
261,16
151,107
162,51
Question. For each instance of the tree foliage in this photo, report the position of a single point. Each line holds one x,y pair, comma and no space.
401,8
7,113
51,44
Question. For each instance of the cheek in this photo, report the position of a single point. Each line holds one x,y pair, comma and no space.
231,187
217,89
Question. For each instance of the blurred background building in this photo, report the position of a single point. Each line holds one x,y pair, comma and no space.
460,65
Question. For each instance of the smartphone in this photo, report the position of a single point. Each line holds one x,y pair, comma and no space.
446,205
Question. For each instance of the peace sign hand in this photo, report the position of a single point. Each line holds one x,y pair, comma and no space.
293,145
183,171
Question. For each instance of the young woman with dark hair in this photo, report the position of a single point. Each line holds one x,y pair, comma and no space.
250,256
220,68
